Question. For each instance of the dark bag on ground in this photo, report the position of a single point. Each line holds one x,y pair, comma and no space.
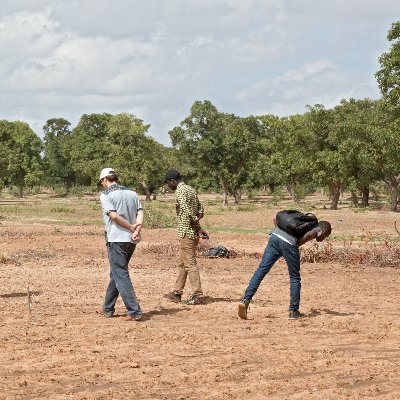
217,252
296,223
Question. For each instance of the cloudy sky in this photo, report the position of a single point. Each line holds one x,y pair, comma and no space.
154,58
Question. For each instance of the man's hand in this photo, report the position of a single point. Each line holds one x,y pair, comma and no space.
136,235
203,234
136,227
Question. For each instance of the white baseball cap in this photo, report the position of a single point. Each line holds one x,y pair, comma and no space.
105,172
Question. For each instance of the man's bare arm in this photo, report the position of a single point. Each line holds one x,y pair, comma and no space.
310,235
121,221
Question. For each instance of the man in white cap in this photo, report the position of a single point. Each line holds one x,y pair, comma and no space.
123,218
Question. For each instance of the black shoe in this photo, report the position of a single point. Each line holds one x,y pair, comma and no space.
107,314
138,317
174,297
295,314
193,301
242,308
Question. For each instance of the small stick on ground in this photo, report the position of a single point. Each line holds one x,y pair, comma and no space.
29,300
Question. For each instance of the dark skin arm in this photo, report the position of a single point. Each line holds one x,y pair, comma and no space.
313,235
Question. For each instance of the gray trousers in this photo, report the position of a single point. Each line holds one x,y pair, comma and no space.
120,283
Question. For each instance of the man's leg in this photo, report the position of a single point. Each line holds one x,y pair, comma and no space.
271,254
192,267
119,256
111,295
291,255
182,272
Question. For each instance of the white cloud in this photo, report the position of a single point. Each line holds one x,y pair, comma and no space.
65,58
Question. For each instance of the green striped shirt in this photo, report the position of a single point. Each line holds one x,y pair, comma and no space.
188,207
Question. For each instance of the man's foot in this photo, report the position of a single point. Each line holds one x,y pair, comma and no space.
193,301
107,314
242,308
133,317
295,314
174,297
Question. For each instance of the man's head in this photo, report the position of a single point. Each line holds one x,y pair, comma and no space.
107,178
326,230
172,179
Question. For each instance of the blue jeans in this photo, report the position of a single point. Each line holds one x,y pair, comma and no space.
275,249
119,255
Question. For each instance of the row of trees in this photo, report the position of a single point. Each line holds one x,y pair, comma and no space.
74,157
353,146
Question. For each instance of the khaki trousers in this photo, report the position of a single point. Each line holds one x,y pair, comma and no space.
188,267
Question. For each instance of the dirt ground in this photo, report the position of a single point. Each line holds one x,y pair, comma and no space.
346,347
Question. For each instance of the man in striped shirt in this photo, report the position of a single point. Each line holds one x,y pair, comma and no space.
189,211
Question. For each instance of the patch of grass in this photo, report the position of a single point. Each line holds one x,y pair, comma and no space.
63,210
359,210
228,229
246,207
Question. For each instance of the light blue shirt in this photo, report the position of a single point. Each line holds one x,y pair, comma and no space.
124,202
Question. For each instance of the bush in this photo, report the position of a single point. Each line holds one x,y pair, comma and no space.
80,190
155,218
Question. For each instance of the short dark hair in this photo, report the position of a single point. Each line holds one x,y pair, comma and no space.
112,177
325,226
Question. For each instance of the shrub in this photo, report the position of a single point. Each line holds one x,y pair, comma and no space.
154,218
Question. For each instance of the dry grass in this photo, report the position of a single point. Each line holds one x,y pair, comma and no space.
6,259
364,254
347,253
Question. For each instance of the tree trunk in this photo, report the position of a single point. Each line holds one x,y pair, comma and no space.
224,186
335,195
354,198
237,196
292,189
331,191
21,191
146,191
393,183
154,197
365,196
271,187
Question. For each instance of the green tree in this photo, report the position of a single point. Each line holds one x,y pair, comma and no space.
388,76
6,129
266,170
355,126
385,138
139,159
57,152
329,167
220,145
89,147
293,147
23,156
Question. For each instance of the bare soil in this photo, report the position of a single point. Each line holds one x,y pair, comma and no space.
59,347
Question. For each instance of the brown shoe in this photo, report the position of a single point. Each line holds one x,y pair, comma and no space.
133,317
174,297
